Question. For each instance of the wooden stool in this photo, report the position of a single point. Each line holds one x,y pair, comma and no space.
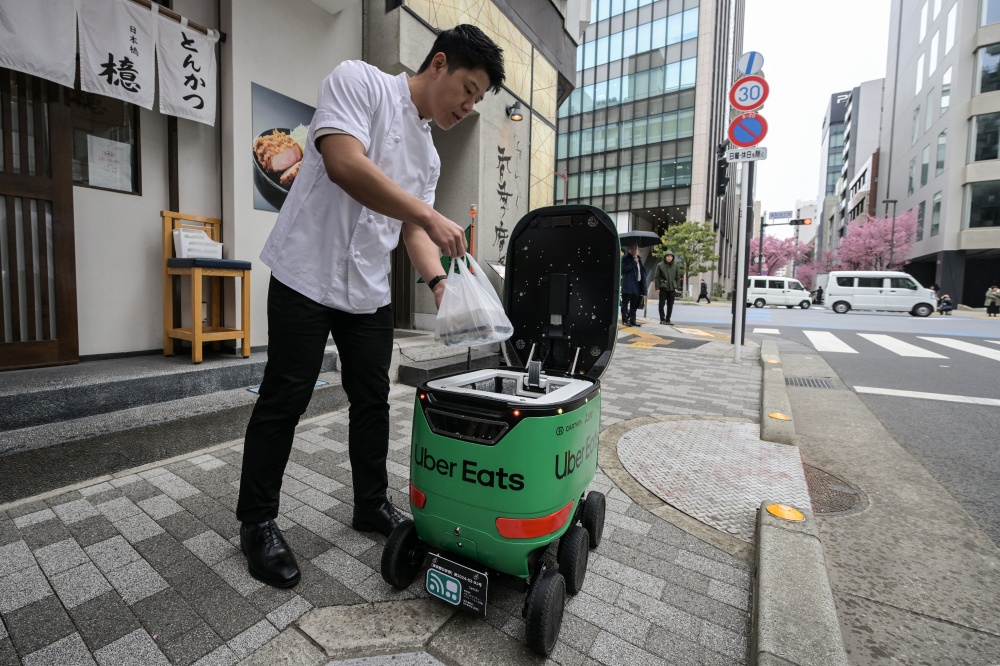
198,269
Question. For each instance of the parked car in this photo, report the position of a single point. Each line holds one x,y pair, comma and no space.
767,290
890,291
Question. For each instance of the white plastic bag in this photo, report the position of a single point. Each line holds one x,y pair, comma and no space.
471,313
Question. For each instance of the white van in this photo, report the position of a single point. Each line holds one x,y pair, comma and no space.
765,290
891,291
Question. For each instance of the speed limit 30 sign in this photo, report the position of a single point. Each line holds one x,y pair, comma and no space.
748,93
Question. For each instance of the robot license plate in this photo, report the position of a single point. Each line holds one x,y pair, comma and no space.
457,585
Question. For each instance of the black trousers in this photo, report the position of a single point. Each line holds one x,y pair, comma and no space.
298,329
630,303
667,297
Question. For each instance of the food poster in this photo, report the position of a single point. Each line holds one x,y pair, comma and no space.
280,126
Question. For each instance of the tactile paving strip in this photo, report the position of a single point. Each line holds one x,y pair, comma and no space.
715,471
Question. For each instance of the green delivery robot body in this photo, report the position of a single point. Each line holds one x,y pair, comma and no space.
501,458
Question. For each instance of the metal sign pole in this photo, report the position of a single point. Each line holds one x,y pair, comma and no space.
742,248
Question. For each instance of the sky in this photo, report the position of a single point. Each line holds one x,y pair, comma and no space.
811,50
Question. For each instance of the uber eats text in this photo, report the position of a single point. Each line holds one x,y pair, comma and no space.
570,461
468,471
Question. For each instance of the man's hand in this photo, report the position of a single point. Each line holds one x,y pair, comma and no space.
446,234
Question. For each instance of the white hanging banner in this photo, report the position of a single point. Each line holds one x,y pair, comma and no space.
38,37
117,41
187,66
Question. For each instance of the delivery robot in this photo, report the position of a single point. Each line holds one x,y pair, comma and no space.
501,458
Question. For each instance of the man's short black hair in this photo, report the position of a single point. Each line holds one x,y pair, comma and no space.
467,46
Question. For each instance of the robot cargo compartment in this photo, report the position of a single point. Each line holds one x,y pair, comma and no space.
513,386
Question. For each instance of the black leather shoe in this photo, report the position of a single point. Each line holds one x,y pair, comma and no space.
382,519
668,323
636,324
269,559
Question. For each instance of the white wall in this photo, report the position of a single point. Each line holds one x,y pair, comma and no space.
288,47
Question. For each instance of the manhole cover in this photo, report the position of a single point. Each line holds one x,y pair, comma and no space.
832,495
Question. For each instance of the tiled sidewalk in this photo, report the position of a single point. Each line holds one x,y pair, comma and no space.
144,568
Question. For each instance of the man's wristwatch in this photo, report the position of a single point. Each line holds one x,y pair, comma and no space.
434,281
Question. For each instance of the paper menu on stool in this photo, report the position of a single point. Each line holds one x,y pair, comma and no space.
195,244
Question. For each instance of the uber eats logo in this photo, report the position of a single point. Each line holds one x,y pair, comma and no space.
569,461
470,471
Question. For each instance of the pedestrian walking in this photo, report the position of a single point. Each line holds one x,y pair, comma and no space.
993,301
368,176
703,293
667,276
633,284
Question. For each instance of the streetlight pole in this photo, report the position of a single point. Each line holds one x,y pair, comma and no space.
892,231
565,178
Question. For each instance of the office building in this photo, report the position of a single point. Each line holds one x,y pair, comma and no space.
638,136
940,145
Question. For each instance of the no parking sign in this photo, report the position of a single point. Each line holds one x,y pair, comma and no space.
748,130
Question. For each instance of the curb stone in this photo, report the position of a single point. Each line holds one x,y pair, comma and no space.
774,397
794,616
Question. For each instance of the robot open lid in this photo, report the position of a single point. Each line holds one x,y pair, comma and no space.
501,458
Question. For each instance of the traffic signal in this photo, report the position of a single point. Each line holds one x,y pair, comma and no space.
721,165
806,220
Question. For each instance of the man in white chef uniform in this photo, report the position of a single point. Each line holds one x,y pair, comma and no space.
368,176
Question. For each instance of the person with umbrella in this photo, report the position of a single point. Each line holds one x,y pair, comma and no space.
633,284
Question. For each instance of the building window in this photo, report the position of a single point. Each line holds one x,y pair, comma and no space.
837,137
991,12
984,204
936,214
923,22
987,136
941,148
915,134
989,69
945,91
921,211
643,38
932,64
912,176
831,182
928,116
631,87
925,165
920,73
949,35
110,127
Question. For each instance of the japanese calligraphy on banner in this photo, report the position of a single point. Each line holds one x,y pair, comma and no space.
39,38
117,41
187,71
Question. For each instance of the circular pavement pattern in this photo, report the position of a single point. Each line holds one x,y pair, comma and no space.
715,471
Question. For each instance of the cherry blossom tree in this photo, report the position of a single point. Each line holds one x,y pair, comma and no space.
824,263
778,252
868,244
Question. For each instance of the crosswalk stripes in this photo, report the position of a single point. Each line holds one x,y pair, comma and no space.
899,347
961,345
824,341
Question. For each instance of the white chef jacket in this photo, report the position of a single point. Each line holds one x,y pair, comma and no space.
325,244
